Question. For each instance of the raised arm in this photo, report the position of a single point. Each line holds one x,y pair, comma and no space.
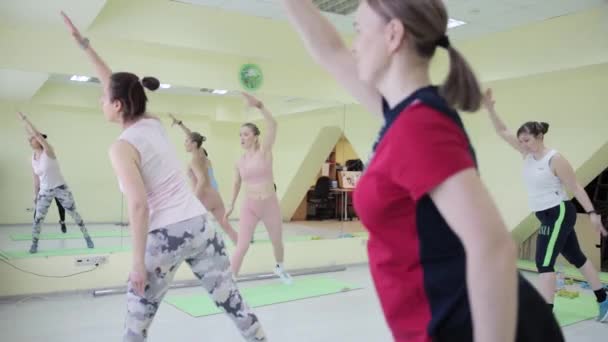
32,131
103,71
125,161
181,125
564,171
328,49
270,135
499,126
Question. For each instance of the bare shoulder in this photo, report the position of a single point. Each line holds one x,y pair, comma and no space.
123,149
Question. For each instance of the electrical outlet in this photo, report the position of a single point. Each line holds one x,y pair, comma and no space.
91,261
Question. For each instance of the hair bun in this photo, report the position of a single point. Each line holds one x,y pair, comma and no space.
150,83
545,127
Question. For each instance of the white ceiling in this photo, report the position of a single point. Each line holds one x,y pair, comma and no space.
44,13
482,16
20,85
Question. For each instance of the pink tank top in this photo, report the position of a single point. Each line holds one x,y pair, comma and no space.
256,169
256,173
170,199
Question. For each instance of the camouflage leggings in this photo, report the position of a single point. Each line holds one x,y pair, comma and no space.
197,243
45,197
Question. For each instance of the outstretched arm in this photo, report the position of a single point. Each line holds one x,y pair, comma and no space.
270,135
126,163
328,49
32,131
499,126
181,125
103,71
564,171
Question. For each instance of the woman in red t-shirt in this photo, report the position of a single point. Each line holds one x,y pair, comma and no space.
442,259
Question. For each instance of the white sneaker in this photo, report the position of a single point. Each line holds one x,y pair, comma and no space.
284,276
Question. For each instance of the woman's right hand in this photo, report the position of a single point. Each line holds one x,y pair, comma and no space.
596,221
73,29
488,100
174,120
228,212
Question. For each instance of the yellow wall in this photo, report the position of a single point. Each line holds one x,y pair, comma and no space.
345,151
572,102
81,139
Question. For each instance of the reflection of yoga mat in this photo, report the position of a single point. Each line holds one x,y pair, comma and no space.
570,311
202,305
64,252
569,271
125,233
72,236
86,251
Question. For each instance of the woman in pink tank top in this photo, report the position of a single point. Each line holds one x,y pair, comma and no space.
254,171
168,222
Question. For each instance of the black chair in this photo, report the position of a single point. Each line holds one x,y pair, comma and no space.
321,205
354,165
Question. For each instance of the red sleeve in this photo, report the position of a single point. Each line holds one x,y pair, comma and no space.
431,148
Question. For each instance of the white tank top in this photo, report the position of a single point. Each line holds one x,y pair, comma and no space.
170,199
545,189
47,170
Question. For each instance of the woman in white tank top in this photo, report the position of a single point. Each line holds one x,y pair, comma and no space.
547,175
49,185
168,222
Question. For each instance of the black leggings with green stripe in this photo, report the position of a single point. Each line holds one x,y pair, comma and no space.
557,235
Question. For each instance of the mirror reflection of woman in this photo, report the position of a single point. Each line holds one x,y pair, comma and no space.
203,181
49,185
168,222
254,171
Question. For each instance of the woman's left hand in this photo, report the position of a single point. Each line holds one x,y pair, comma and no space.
252,101
138,279
596,221
21,116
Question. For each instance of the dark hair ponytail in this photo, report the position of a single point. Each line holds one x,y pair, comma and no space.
461,88
150,83
127,88
426,22
198,139
533,128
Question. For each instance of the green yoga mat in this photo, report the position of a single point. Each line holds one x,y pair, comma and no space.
72,236
63,252
569,271
21,254
571,311
202,305
114,233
